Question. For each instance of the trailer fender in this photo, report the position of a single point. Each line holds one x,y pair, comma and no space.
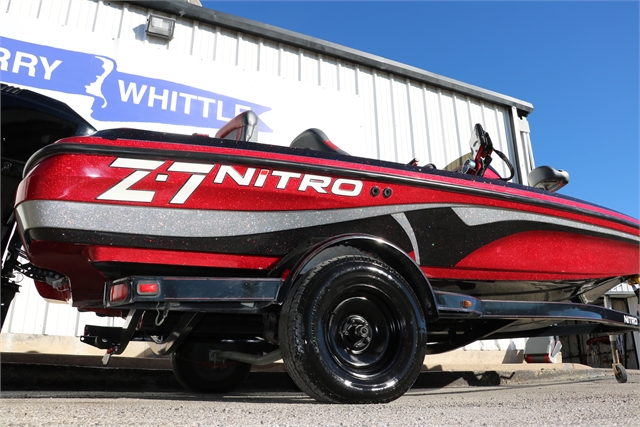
301,261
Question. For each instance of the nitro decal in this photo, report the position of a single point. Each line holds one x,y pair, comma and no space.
252,177
118,97
631,320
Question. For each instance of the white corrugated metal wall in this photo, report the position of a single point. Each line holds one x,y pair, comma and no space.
402,118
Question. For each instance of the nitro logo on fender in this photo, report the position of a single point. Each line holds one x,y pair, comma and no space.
631,320
199,172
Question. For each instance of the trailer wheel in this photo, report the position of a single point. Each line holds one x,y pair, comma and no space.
194,371
620,373
352,331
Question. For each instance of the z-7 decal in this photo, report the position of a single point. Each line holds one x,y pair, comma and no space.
285,180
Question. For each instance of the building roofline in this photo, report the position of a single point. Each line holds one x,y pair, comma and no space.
186,10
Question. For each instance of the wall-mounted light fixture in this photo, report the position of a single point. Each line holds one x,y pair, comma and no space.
160,26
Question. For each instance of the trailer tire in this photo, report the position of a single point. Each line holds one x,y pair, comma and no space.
352,331
620,373
194,371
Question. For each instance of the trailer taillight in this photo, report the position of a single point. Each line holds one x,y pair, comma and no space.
119,292
148,288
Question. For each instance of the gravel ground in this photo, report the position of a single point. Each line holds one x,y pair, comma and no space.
597,402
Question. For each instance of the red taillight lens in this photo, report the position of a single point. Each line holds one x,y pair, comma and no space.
119,292
148,288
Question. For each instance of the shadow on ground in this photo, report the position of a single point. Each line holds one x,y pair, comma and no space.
38,377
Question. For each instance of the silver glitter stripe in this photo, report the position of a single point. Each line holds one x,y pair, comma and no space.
154,221
475,215
404,223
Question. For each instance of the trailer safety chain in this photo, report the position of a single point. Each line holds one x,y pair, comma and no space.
165,313
157,339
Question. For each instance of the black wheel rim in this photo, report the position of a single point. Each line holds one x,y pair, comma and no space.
363,331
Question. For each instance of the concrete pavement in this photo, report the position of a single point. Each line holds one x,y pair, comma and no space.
30,371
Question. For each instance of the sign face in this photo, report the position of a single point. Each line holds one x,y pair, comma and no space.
118,96
116,83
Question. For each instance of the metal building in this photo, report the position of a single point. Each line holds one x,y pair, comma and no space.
97,54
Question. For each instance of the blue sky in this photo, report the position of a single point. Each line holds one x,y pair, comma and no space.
576,62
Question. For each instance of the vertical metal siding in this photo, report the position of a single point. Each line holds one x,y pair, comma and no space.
30,314
386,144
308,68
269,62
365,78
433,126
249,53
226,46
451,143
402,118
400,110
182,42
330,73
347,78
289,62
417,121
204,43
55,11
82,15
107,20
133,24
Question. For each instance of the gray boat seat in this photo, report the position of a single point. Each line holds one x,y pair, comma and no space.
243,127
548,178
315,139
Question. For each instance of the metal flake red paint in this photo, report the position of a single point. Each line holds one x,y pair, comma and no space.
166,257
49,293
83,177
293,159
544,255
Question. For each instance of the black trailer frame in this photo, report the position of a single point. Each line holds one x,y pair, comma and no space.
194,297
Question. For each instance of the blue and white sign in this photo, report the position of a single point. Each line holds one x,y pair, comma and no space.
118,96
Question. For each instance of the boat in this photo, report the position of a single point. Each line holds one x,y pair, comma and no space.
350,269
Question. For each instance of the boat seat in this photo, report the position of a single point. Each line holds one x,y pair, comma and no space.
315,139
548,178
243,127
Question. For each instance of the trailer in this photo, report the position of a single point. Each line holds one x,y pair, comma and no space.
257,286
